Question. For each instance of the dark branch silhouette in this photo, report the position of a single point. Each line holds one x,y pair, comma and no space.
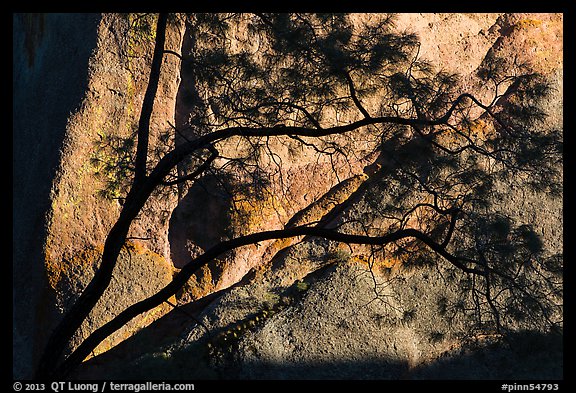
189,269
426,145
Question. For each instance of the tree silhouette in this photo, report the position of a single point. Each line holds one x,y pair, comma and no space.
439,157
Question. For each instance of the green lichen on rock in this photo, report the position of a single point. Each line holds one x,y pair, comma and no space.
112,162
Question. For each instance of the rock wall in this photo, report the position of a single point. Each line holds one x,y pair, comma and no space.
311,306
78,87
317,311
50,59
89,185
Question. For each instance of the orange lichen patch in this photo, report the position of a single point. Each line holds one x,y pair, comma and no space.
386,259
283,243
250,213
528,23
67,276
537,40
199,285
482,129
140,249
478,130
89,259
82,261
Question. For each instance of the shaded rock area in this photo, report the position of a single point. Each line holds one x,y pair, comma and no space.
188,233
330,325
50,76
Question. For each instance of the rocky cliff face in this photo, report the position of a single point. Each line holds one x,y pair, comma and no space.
50,61
276,308
78,87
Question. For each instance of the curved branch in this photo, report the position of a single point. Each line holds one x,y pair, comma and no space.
453,218
143,187
199,171
175,156
115,240
282,103
353,95
191,267
171,52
